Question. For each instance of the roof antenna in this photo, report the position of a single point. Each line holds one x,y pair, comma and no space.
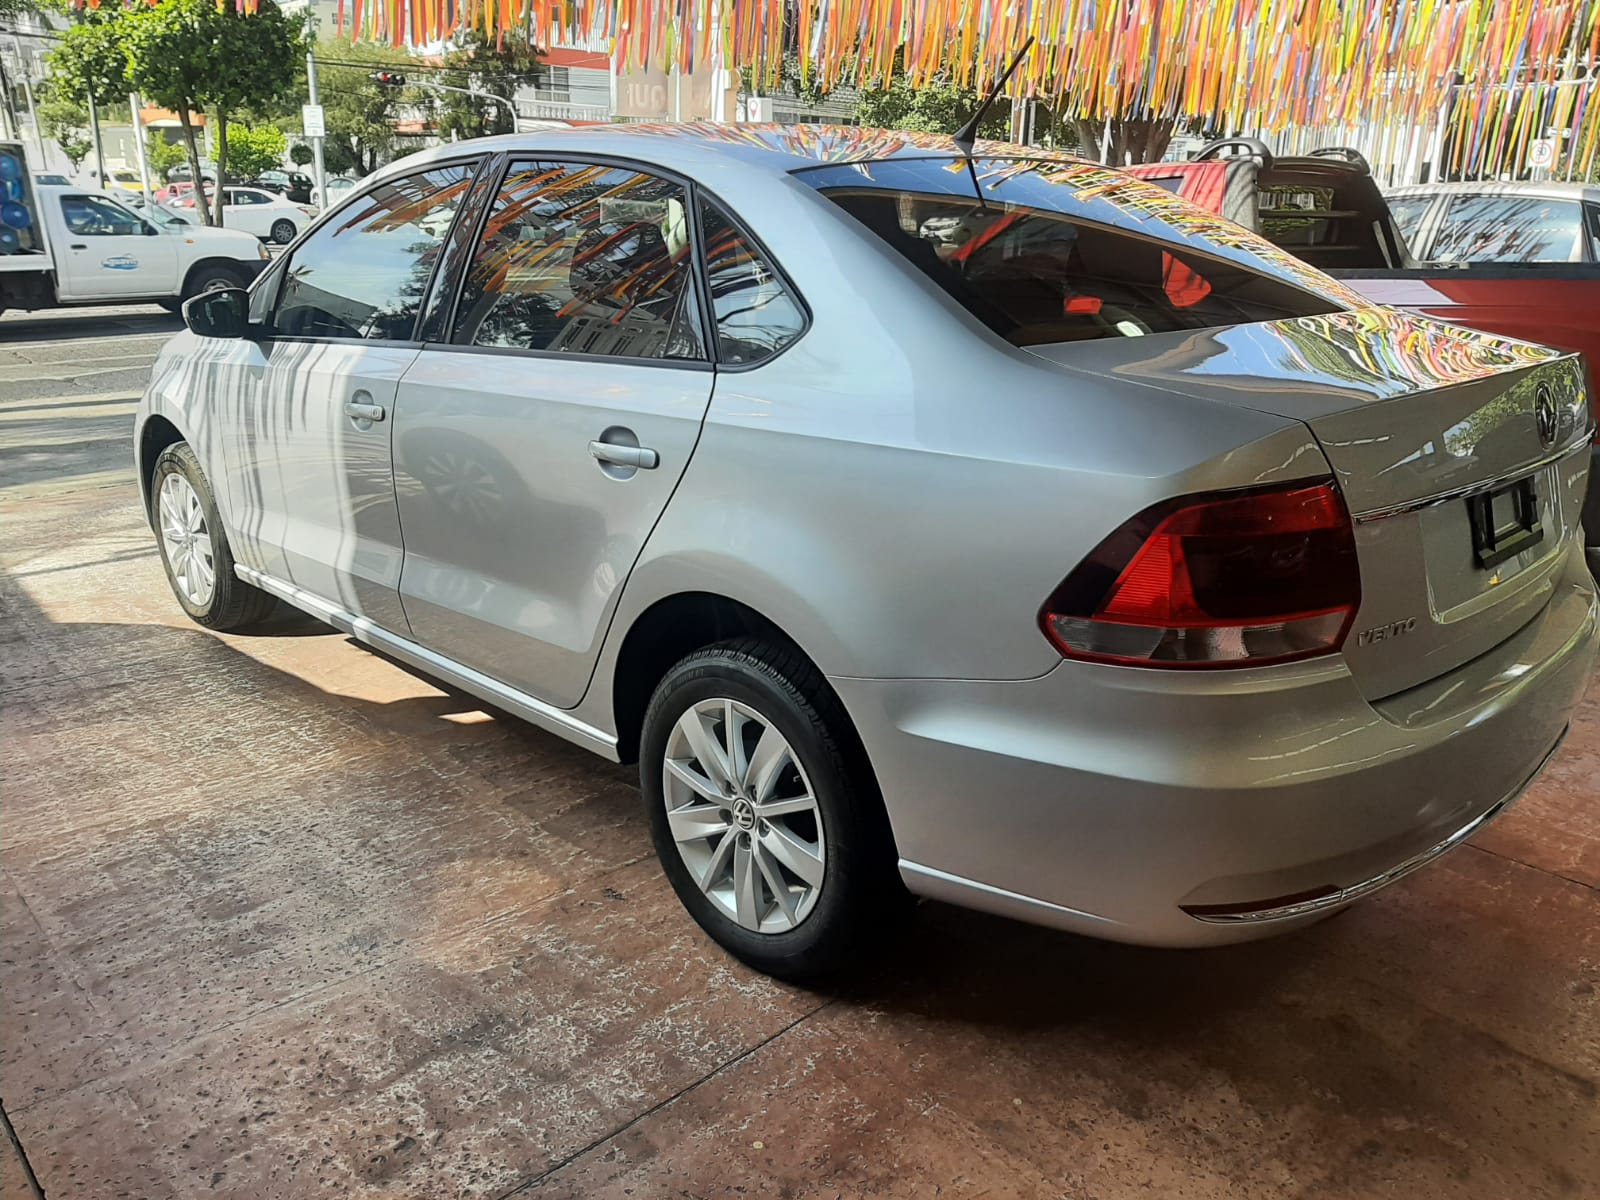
968,133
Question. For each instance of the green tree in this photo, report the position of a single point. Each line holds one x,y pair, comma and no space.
65,121
162,155
481,64
359,114
198,56
937,107
301,154
91,58
253,149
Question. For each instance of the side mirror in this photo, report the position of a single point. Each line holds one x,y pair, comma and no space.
151,231
222,313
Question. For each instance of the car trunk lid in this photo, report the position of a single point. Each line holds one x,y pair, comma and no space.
1456,452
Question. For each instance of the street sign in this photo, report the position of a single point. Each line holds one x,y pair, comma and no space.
1541,152
311,120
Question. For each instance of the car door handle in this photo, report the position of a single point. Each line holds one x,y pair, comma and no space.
364,412
78,246
638,457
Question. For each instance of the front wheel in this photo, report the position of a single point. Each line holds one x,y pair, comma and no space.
764,812
210,279
194,548
283,232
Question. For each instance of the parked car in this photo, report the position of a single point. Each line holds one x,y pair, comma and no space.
1000,528
1326,209
78,246
123,179
269,217
161,214
182,174
1552,223
292,185
338,188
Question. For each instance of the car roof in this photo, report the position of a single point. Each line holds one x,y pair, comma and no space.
765,147
1547,189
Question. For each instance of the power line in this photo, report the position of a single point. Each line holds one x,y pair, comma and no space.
417,65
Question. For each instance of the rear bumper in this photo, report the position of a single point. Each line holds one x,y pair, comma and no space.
1162,808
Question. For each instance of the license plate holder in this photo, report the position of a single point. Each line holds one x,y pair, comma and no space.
1505,522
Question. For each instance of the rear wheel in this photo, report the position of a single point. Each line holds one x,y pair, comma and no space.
283,232
764,814
194,548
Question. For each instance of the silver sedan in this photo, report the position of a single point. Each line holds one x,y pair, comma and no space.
968,522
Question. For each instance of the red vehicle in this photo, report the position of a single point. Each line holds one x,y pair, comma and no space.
1326,209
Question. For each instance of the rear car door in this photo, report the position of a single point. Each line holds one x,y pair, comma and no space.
246,210
538,441
111,251
308,418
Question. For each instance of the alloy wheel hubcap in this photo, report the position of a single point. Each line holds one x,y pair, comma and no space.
186,540
743,816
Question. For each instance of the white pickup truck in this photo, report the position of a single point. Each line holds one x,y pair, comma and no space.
70,246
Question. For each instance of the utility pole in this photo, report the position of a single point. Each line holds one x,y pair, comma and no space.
144,157
33,117
7,112
99,151
319,171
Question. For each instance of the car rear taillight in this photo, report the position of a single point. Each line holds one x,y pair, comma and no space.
1229,579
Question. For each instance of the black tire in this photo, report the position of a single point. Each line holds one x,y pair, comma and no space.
209,278
283,232
233,603
861,899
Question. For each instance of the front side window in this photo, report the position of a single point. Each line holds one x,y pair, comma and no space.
363,275
1045,252
583,259
1509,229
91,216
755,313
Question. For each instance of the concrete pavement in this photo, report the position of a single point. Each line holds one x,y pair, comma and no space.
282,919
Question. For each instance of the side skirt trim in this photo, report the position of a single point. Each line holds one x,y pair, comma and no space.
520,704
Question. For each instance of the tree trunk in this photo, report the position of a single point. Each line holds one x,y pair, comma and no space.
221,119
194,164
1132,141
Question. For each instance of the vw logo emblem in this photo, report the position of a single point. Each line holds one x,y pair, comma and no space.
1546,415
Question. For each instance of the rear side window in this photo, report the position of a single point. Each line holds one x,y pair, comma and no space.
1509,229
756,314
583,259
363,274
1408,212
1035,274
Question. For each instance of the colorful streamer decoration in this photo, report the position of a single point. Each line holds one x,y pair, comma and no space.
1500,73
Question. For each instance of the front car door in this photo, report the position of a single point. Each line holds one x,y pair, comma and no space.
111,251
307,426
1509,227
538,443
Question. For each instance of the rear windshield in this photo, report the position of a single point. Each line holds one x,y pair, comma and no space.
1058,251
